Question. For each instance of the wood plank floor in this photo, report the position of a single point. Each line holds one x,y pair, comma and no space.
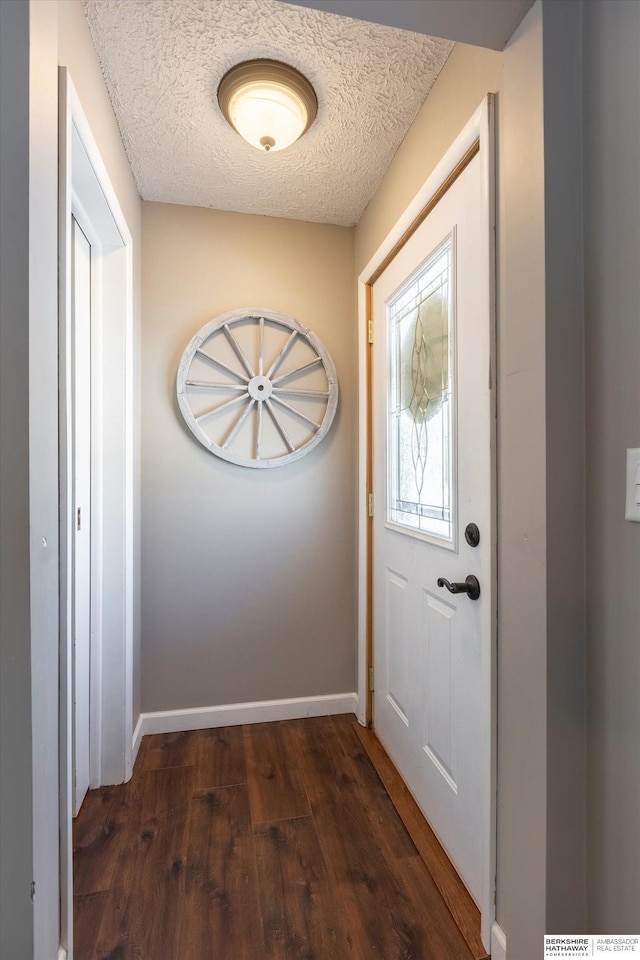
454,893
273,841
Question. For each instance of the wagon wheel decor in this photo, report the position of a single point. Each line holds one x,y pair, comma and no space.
257,388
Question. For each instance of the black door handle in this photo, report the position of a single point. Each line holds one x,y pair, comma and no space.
470,586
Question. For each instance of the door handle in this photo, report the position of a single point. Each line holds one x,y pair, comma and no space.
470,586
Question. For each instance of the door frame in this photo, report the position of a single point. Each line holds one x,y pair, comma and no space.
86,192
476,138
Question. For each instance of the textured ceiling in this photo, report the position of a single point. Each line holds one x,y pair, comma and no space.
163,59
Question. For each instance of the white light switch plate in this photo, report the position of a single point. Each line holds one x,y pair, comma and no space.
632,511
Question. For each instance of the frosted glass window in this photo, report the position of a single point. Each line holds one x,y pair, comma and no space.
419,324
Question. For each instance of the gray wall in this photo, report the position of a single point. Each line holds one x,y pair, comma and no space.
565,469
16,846
43,468
612,299
248,586
487,23
30,457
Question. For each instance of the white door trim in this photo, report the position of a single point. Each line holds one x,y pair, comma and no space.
478,128
86,191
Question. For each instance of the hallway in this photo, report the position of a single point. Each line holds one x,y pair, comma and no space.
266,842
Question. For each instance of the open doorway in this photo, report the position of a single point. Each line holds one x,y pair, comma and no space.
96,480
80,533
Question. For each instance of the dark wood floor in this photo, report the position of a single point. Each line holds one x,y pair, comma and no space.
274,841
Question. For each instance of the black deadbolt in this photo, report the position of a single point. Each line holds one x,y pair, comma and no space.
472,534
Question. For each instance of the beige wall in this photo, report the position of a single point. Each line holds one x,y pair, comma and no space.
522,544
468,75
76,51
248,575
516,76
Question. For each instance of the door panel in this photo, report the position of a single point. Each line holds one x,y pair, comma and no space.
440,735
432,459
397,652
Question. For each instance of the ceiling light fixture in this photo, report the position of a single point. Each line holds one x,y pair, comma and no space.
268,103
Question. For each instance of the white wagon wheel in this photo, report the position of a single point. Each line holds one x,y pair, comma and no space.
257,388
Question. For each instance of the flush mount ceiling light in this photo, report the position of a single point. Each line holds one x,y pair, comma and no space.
268,103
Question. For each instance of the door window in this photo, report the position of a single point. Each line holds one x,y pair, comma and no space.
420,399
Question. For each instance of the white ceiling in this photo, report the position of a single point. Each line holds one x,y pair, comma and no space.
163,59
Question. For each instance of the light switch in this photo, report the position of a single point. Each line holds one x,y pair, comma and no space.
633,485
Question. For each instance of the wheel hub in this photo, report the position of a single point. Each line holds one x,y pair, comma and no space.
260,388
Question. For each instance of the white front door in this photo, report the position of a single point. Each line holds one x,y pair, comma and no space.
431,479
81,516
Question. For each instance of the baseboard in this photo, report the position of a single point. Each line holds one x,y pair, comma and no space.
62,953
498,942
137,740
233,714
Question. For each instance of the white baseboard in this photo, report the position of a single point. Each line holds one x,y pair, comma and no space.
62,953
137,740
233,714
498,942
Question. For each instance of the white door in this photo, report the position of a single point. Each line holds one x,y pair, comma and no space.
432,477
81,516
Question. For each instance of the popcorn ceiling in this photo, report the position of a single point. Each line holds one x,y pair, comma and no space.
163,60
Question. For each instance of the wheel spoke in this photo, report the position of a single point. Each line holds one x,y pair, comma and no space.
292,392
223,366
222,406
236,429
287,406
261,348
285,350
215,386
259,433
276,419
294,373
238,350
